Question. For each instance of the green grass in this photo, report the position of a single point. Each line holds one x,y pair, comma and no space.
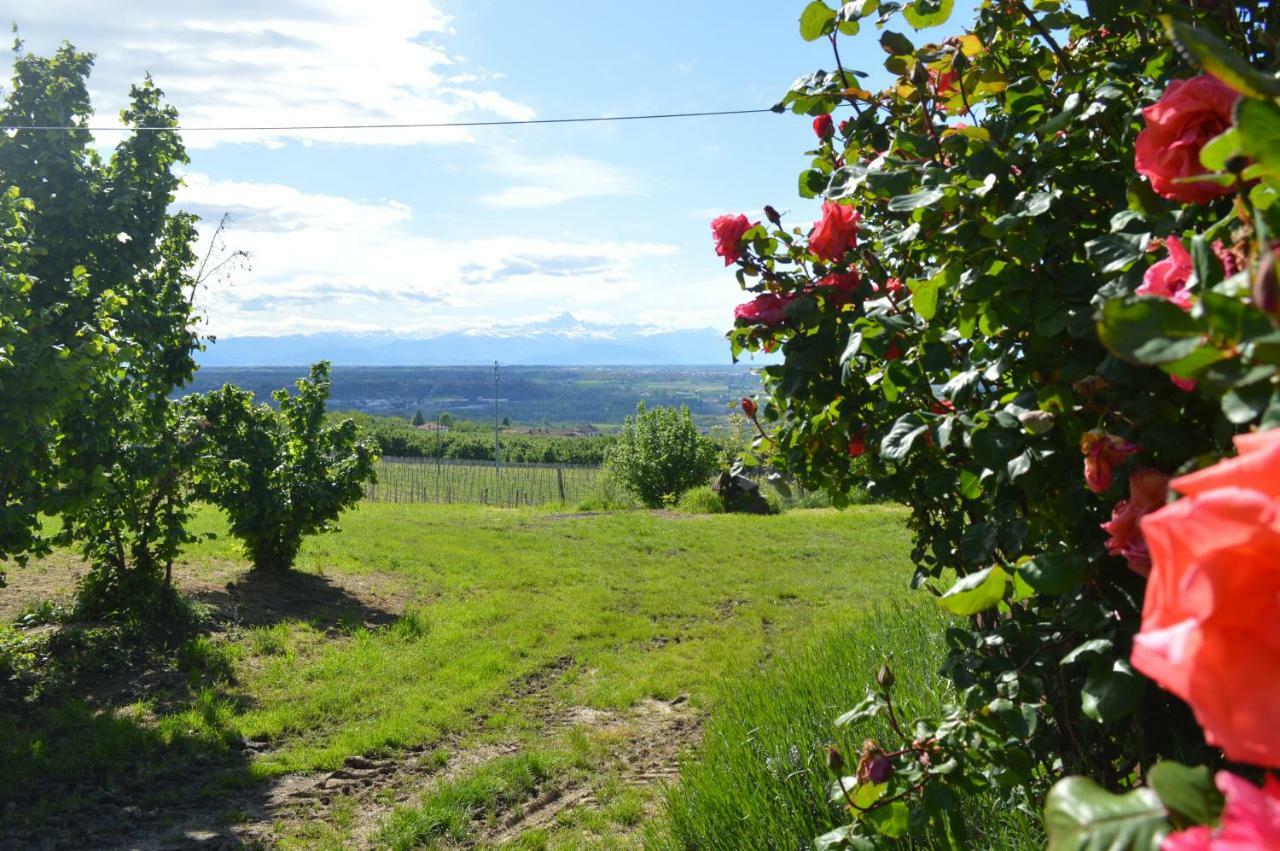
759,780
460,607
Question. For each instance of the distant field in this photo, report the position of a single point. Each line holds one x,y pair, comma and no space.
526,394
481,482
434,676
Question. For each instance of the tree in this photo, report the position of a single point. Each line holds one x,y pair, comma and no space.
97,331
279,476
418,418
659,454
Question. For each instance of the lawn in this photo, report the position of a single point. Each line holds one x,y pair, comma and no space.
433,674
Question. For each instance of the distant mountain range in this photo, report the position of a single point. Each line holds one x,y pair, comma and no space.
562,341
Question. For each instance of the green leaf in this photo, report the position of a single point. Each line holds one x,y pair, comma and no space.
1259,125
859,9
816,20
927,13
1111,691
1187,793
1080,815
896,44
1219,149
976,592
1214,56
1117,251
1149,331
1090,649
916,200
890,820
898,442
1054,573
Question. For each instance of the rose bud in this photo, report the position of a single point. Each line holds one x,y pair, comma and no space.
1266,288
748,406
873,765
823,127
835,761
844,128
773,215
1036,422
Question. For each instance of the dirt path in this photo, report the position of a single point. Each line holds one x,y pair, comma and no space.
644,741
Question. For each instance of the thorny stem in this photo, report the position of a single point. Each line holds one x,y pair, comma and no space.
893,719
844,78
1063,60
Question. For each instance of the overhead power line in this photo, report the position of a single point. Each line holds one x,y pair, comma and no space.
413,125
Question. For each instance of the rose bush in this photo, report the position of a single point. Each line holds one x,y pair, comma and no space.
1009,316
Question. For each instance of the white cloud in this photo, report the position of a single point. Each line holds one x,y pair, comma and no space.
323,262
252,63
547,181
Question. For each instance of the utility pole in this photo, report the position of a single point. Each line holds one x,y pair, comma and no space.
496,445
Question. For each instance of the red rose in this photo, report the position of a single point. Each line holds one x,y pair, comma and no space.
832,237
727,231
893,287
1190,113
823,127
748,406
893,352
765,309
1148,489
1211,616
1250,819
858,444
1168,278
942,406
1102,452
840,288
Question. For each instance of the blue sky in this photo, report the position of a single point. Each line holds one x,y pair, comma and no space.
416,232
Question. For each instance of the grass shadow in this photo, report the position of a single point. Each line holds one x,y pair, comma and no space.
257,598
124,735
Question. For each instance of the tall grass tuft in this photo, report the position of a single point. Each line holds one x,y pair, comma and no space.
759,780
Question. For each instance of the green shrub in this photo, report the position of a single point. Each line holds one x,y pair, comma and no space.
701,500
660,454
279,476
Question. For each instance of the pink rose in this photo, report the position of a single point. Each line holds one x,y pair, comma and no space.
765,309
1147,491
832,237
1211,618
1190,113
1102,452
1250,819
727,231
823,127
1168,278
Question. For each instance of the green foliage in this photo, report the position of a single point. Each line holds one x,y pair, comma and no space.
659,454
1080,816
96,331
701,500
397,438
280,476
996,184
